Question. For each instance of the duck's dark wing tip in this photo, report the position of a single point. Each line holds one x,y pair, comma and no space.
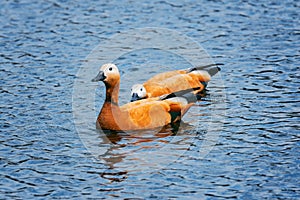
187,94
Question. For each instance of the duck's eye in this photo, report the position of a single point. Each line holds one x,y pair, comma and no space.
141,89
110,69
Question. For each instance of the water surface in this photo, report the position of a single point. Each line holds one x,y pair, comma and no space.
256,156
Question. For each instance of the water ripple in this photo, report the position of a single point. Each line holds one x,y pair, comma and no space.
256,156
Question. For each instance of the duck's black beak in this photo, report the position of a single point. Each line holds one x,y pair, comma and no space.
99,77
135,97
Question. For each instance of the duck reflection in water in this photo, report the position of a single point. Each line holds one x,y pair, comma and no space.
144,150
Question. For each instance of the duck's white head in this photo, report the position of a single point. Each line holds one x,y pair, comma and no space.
138,92
108,73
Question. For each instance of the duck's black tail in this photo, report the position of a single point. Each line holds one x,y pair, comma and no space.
212,71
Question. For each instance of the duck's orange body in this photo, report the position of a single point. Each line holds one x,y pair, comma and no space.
156,87
144,114
172,81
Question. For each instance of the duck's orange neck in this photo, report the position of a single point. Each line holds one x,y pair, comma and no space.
112,93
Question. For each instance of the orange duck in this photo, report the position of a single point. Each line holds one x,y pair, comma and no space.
173,81
144,114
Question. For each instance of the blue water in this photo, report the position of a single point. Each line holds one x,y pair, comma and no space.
253,155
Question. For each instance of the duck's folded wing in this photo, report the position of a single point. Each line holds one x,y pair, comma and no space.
148,114
181,82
